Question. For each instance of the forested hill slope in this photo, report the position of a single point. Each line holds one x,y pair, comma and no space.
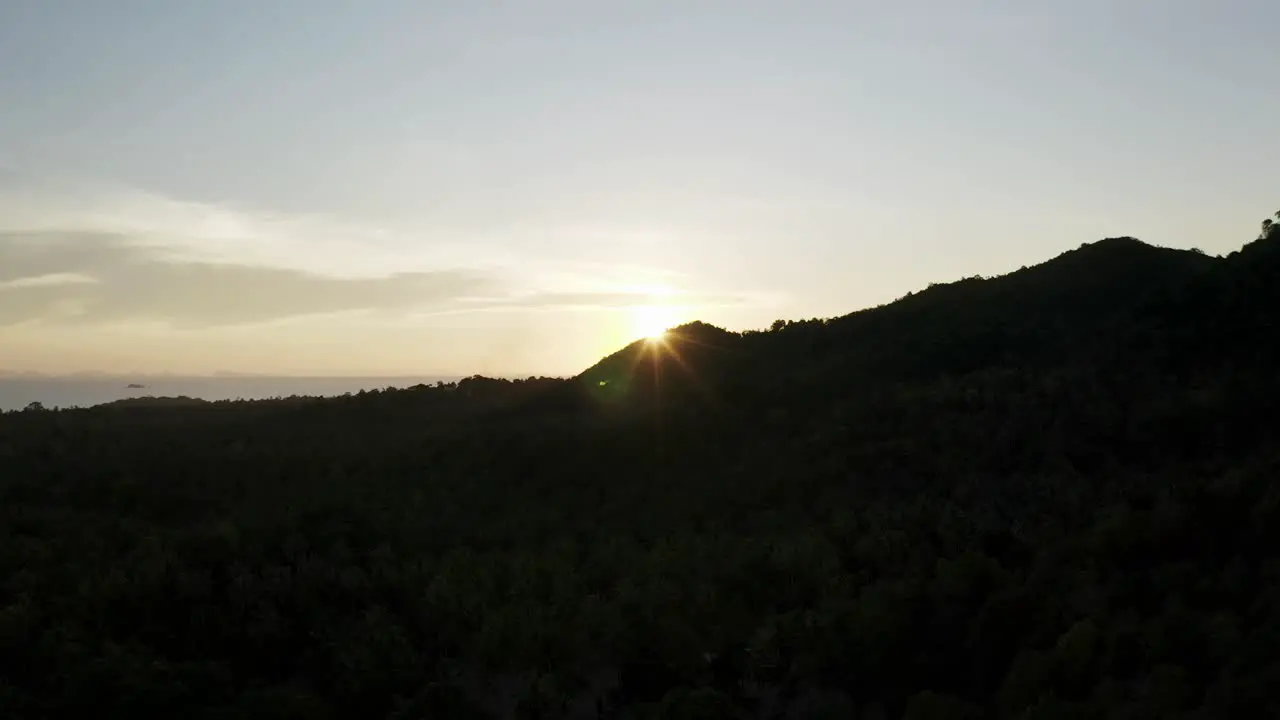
1032,317
1048,494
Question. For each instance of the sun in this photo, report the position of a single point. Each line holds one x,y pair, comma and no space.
652,321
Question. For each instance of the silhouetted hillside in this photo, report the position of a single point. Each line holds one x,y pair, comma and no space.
1035,317
1048,494
689,364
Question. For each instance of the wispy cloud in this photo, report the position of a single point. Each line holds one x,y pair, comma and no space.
222,233
92,255
627,298
121,282
50,280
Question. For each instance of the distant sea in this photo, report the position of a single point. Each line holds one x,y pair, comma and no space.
63,392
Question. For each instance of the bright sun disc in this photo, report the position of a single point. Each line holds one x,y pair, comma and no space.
651,321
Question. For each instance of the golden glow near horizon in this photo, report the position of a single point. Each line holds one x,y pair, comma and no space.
142,291
424,235
651,320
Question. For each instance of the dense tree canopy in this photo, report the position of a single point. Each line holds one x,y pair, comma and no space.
1042,495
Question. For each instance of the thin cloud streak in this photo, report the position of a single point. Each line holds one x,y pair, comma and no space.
50,280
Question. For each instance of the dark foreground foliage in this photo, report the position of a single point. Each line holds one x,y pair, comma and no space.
1044,495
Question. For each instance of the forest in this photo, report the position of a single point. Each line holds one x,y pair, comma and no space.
1047,494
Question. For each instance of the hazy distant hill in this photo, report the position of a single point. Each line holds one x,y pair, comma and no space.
19,390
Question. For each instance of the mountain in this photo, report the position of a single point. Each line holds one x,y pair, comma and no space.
1044,494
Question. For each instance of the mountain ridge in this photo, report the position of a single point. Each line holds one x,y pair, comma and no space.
1123,272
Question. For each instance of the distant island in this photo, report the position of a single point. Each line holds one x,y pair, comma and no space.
135,386
151,401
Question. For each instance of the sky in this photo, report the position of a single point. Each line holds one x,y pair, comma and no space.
403,187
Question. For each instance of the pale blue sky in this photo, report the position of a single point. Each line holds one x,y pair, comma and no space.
532,170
